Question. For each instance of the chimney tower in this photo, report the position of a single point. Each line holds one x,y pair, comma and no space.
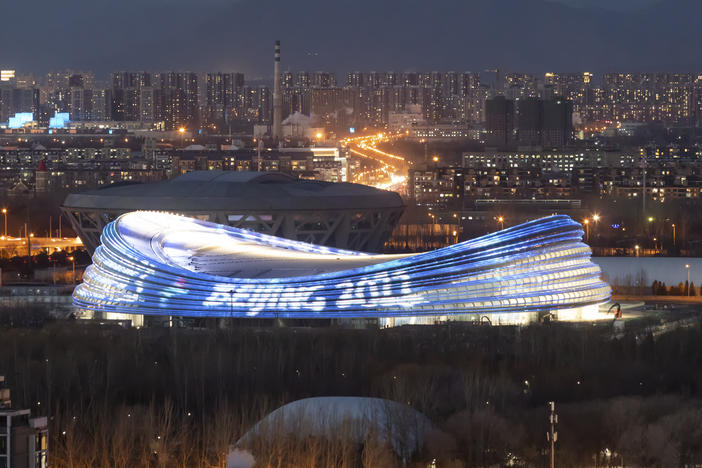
277,98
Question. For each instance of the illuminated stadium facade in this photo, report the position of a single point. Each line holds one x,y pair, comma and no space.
342,215
159,264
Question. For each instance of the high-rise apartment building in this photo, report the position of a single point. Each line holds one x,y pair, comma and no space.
558,122
170,97
223,95
323,79
499,119
14,100
649,97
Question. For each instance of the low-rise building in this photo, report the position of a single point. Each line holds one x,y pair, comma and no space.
24,441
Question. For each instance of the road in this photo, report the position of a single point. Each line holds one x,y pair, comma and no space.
11,246
379,169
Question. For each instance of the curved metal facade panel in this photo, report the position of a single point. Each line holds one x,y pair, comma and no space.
163,264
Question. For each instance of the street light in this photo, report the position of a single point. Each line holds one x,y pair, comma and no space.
687,267
636,247
501,220
73,259
587,229
595,219
673,235
4,211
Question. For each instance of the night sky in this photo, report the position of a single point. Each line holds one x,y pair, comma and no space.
341,35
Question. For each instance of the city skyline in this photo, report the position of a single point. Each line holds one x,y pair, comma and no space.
265,233
173,100
536,36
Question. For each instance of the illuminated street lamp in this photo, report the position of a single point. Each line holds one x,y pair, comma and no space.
595,219
4,212
636,247
587,229
501,220
73,259
673,235
687,267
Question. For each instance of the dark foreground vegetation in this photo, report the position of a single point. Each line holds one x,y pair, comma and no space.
179,397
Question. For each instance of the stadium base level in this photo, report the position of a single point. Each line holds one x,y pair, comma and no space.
588,313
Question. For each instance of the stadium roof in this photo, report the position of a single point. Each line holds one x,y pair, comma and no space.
232,190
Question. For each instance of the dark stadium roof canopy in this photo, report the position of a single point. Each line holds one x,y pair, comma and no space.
232,190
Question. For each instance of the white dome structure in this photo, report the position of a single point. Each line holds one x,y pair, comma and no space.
354,418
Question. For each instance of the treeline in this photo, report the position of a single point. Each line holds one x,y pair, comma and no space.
638,284
180,397
659,288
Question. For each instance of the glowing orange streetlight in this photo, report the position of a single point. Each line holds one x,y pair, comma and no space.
501,220
73,259
587,229
673,235
4,212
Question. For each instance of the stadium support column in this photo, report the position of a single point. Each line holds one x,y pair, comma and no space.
277,98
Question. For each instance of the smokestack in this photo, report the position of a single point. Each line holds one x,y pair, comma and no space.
277,98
